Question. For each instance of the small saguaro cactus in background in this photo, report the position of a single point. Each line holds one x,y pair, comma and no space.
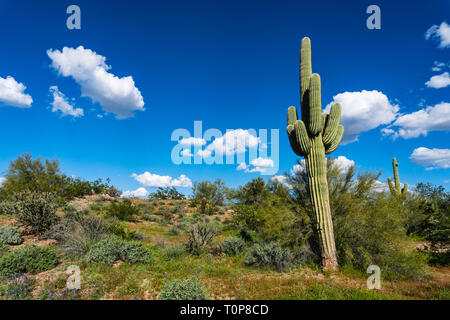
396,188
312,137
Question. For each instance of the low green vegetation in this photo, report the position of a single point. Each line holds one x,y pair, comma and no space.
188,289
255,241
29,259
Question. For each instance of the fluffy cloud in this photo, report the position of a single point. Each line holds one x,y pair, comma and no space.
363,111
192,141
116,95
204,153
280,179
242,166
438,66
256,165
2,180
148,179
344,163
12,93
439,81
60,103
431,158
440,33
233,142
418,123
138,193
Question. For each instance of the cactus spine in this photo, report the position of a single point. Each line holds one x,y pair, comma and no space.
312,137
396,189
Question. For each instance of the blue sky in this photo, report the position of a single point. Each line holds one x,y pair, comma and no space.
229,64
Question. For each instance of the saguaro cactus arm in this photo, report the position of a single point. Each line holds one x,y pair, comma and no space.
395,187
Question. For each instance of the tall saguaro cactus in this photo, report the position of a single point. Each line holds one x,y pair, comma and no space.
312,137
396,189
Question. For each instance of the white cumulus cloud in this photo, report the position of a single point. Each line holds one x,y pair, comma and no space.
12,93
432,118
256,165
439,81
344,163
61,103
440,33
431,158
116,95
138,193
280,179
233,142
363,111
2,180
148,179
192,141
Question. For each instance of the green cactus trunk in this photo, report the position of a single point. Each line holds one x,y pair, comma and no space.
312,137
316,169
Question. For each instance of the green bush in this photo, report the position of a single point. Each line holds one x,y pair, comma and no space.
168,193
115,227
151,218
36,211
111,249
77,234
122,210
28,259
208,196
10,235
269,256
4,248
232,245
7,207
174,231
174,252
188,289
200,236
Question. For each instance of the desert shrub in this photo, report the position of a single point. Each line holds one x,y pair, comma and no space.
232,245
28,259
174,252
208,196
116,228
151,218
200,236
111,249
268,211
429,218
134,252
168,193
10,235
174,231
122,210
188,289
7,207
36,211
253,192
269,256
4,248
76,235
